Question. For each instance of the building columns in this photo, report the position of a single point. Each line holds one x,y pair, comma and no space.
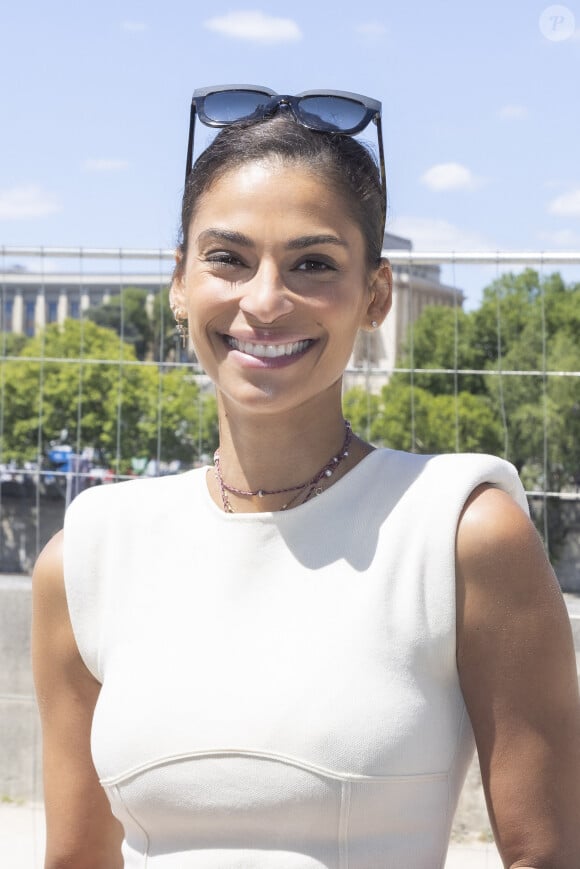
39,313
18,313
62,311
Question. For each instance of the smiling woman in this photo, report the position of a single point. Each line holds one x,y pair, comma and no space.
283,660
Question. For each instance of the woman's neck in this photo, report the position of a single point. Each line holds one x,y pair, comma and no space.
272,452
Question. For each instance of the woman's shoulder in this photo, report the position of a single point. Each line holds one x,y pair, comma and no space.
462,471
450,461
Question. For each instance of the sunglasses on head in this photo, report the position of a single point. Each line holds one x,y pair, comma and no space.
328,111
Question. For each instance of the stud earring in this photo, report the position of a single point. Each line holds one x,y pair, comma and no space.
374,324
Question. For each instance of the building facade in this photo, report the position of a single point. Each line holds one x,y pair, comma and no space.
32,301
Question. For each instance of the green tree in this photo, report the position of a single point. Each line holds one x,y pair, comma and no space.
148,326
181,422
563,418
11,343
80,377
165,342
525,331
529,323
516,307
361,409
126,314
411,418
443,338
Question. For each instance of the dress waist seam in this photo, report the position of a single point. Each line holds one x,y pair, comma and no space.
289,760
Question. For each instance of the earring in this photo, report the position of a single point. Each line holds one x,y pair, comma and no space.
374,324
181,331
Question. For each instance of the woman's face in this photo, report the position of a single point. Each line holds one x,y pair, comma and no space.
275,286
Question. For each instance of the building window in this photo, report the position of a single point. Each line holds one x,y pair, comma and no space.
29,310
74,309
52,311
7,315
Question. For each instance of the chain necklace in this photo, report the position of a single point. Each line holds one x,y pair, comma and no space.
310,487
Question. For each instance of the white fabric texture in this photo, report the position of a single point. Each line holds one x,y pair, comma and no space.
279,690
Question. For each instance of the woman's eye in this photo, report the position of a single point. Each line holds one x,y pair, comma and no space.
314,265
223,258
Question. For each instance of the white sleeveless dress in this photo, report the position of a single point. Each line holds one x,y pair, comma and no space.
279,690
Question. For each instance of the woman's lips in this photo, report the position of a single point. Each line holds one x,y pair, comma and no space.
267,353
267,350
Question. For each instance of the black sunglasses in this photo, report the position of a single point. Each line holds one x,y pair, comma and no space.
328,111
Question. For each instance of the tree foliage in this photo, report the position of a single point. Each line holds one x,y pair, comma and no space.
80,377
516,404
148,326
443,338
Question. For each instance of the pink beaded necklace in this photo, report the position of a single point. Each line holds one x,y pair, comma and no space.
310,487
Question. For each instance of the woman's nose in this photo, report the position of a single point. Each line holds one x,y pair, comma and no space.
265,297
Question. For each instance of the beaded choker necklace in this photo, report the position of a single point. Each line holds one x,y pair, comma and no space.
308,489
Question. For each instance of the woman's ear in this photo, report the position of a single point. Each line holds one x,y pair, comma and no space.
177,290
381,292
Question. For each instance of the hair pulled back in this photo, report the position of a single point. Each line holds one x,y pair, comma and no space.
345,163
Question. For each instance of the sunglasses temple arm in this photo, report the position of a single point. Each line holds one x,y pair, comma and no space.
189,162
382,161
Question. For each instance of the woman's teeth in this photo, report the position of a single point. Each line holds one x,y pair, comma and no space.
270,351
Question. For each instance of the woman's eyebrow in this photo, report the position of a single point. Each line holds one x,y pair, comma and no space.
310,240
225,235
233,237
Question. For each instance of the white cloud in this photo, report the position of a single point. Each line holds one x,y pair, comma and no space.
436,234
371,29
567,204
29,201
255,26
513,113
450,176
134,26
562,238
105,165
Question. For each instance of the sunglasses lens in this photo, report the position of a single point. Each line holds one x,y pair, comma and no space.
227,107
335,114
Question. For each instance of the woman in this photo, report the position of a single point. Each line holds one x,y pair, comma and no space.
283,659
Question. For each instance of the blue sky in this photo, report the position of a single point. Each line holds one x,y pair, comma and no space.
481,111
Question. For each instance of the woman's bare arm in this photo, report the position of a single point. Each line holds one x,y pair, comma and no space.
518,674
81,830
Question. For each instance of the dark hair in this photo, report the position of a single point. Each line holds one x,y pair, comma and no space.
346,163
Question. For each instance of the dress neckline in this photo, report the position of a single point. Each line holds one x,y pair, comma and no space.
314,504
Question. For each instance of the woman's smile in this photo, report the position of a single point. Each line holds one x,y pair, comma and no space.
268,355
